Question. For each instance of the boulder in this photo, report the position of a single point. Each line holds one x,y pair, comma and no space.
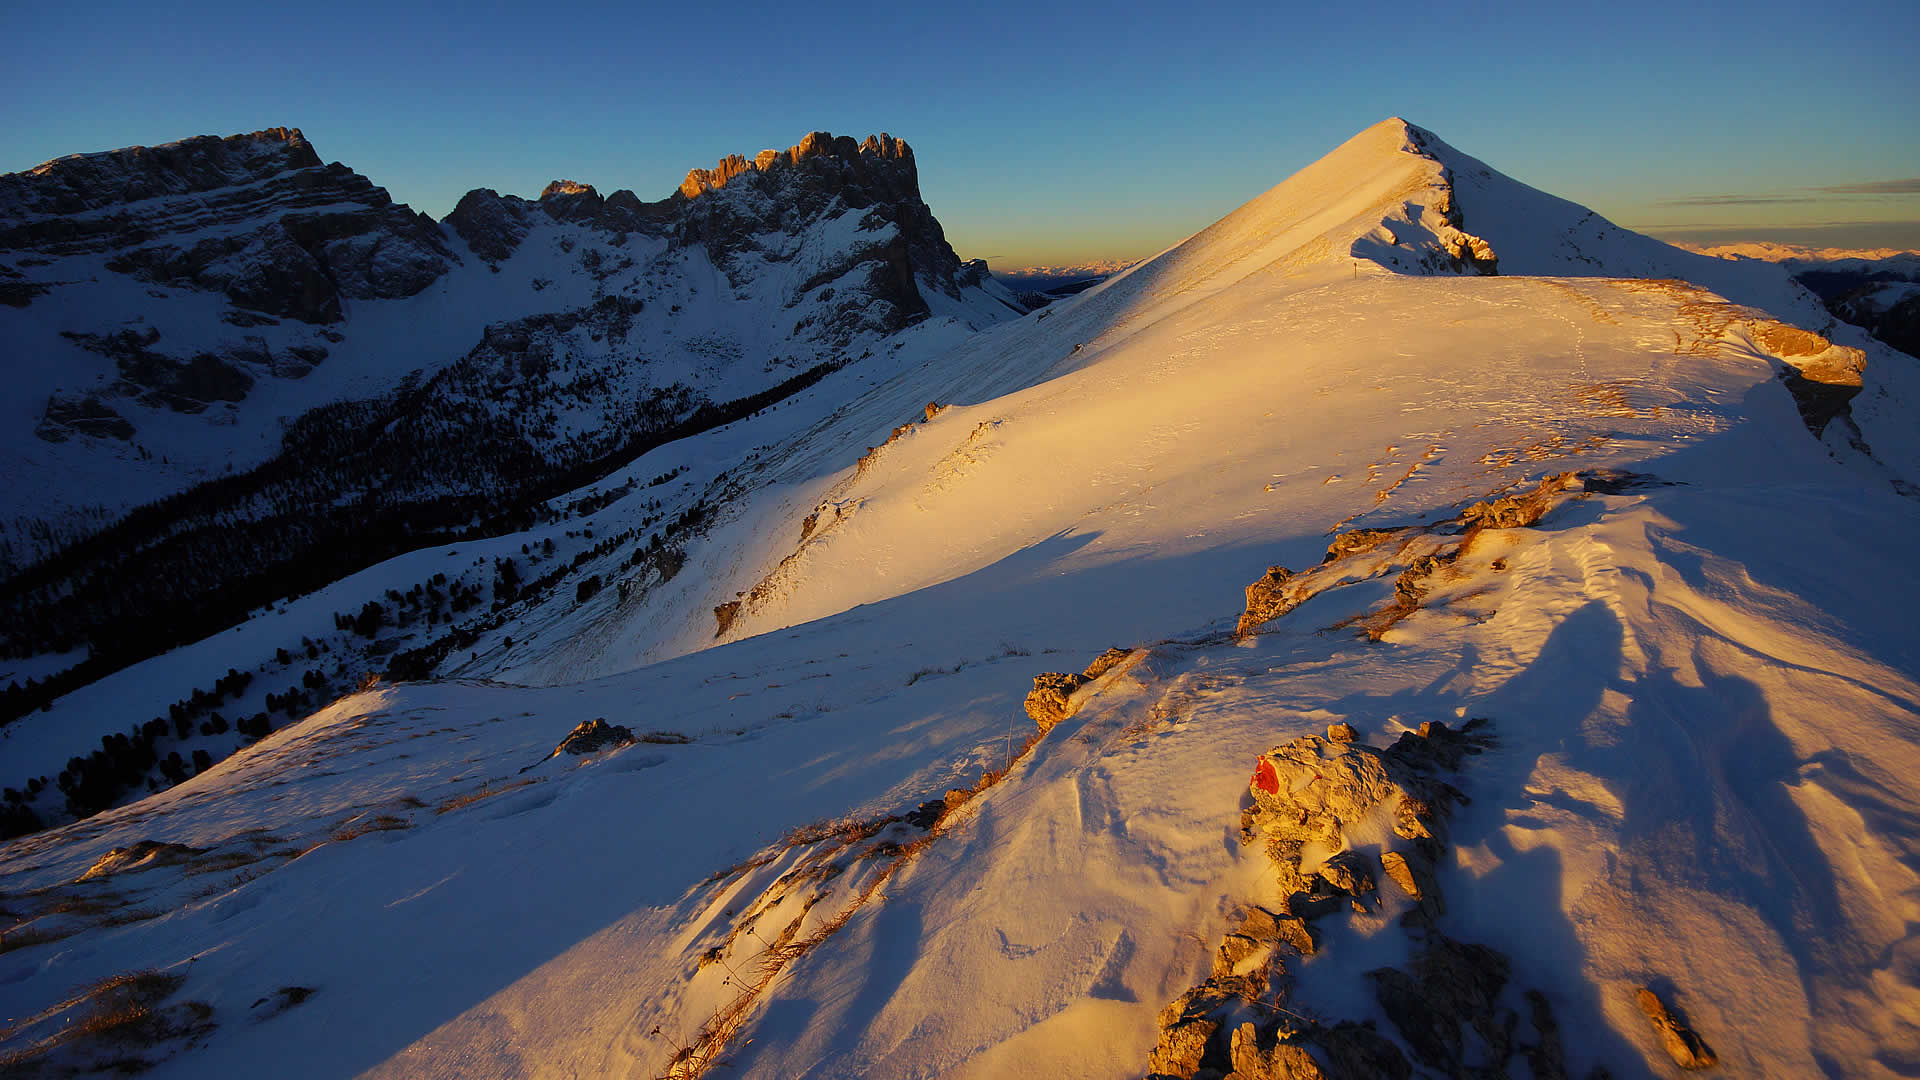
1267,599
1048,703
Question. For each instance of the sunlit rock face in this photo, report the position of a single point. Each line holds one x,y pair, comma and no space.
730,206
752,215
256,217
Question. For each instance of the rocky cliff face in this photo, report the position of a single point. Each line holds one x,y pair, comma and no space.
752,216
731,206
1889,311
256,217
493,225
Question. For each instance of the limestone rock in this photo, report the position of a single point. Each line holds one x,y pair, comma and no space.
1187,1028
567,200
1269,928
256,216
1823,377
1234,949
1356,541
1105,662
1518,510
1349,873
1545,1059
1305,790
1284,1059
1047,703
1342,732
927,814
1267,599
1414,879
732,207
1687,1049
593,736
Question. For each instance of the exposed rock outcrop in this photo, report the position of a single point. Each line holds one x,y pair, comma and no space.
1267,600
1307,791
143,855
593,736
1048,702
1105,662
1681,1042
1414,553
1445,1004
1890,312
1305,794
66,417
1824,378
186,384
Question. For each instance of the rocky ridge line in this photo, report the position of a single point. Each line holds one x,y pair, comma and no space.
257,217
1241,1023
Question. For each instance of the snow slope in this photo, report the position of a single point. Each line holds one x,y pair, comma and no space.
1704,686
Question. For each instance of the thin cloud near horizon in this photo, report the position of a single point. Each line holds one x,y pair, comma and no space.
1907,186
1903,186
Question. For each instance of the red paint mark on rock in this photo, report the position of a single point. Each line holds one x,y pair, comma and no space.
1265,778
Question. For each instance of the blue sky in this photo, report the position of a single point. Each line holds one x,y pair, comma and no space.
1044,133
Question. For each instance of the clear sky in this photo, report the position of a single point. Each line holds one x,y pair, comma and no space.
1044,133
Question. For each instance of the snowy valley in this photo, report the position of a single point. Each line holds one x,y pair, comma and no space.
1412,627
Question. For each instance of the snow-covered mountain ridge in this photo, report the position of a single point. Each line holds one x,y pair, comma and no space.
1695,663
274,456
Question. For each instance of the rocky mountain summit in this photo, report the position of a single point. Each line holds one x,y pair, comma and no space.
753,214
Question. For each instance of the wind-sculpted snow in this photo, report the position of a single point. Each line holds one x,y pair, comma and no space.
1584,507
